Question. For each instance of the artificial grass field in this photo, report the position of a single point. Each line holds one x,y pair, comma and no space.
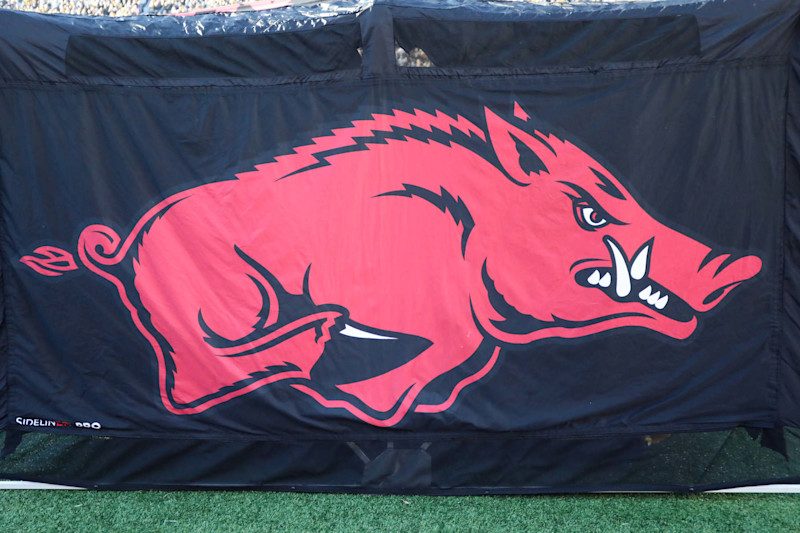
86,511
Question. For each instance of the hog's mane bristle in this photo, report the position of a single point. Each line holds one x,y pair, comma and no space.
402,125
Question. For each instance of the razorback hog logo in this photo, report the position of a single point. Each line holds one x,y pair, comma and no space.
405,226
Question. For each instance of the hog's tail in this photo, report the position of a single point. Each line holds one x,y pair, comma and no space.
49,261
99,247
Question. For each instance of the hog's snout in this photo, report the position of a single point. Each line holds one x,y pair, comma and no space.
700,276
719,275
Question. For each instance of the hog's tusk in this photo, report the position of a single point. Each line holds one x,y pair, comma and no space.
350,331
640,263
621,275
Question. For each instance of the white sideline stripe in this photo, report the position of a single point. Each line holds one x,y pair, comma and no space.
30,485
758,489
764,489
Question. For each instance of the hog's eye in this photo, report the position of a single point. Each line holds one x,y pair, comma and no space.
590,217
588,213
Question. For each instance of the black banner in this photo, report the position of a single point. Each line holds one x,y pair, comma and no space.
268,227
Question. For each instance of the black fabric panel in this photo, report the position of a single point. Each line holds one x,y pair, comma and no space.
3,348
488,465
379,46
727,30
326,49
130,201
4,356
35,45
548,43
789,370
130,147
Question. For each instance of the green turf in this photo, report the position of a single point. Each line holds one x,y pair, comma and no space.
66,511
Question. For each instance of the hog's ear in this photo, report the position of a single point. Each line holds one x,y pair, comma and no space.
523,156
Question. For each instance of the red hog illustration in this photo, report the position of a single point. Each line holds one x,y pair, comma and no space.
406,225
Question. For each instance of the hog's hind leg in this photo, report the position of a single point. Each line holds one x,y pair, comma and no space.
223,323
